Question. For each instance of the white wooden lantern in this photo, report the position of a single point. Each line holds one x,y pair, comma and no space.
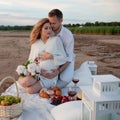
105,84
100,106
93,67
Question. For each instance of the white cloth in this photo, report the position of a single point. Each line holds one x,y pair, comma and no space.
53,46
68,111
84,75
37,108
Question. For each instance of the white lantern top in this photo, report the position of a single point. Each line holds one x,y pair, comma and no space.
105,84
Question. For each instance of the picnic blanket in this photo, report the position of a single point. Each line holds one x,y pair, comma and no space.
37,108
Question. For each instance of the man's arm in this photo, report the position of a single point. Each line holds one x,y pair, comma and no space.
63,67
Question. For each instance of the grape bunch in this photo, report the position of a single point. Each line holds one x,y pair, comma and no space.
56,100
9,100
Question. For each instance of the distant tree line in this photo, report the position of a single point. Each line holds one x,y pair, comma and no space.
29,27
16,28
94,24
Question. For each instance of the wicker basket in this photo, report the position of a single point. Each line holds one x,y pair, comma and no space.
11,111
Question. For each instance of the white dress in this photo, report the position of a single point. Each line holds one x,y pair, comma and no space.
53,46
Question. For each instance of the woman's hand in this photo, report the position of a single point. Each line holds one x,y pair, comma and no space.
46,56
36,60
50,75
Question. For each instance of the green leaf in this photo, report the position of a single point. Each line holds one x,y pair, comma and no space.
26,63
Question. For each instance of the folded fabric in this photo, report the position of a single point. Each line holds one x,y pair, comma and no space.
26,81
84,75
30,84
67,111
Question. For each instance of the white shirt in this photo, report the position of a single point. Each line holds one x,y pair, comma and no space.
68,43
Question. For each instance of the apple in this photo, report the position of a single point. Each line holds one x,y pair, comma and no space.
3,103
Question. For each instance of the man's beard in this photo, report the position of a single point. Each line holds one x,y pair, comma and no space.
57,29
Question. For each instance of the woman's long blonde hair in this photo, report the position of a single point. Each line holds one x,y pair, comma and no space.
36,31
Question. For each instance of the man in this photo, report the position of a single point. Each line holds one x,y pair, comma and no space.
66,71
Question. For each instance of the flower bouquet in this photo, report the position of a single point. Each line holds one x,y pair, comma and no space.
28,73
28,68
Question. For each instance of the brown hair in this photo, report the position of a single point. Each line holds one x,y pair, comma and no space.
55,12
36,31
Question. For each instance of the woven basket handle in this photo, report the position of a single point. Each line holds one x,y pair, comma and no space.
9,77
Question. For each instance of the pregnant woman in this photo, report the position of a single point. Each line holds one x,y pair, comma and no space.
50,51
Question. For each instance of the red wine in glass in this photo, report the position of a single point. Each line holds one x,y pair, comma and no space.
75,81
71,93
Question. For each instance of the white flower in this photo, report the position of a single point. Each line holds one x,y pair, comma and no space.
28,68
32,68
26,72
20,69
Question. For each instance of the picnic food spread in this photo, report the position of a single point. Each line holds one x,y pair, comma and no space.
55,95
46,93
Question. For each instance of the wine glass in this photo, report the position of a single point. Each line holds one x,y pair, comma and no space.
72,93
50,93
75,81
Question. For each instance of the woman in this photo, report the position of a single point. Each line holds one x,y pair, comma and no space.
50,51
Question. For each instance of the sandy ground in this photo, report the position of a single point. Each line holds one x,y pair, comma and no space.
103,49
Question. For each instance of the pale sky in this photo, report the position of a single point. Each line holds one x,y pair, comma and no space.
28,12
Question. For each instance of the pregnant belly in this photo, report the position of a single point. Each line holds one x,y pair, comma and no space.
47,65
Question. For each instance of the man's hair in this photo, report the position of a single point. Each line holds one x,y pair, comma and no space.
55,12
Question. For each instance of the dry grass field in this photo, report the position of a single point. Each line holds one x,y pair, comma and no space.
103,49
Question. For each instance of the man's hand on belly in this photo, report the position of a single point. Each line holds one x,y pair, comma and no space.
49,75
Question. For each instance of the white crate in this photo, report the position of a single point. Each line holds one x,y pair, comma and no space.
105,84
